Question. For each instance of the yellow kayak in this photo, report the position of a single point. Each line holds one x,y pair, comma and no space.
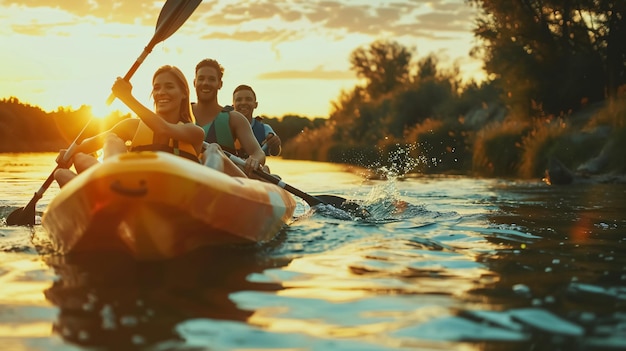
155,205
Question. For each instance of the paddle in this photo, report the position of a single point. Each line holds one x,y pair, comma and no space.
333,200
26,214
173,14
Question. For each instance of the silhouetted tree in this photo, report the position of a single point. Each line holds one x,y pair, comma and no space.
290,126
26,128
346,113
553,53
615,39
392,100
427,68
384,65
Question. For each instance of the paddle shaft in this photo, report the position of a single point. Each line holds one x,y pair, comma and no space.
39,193
146,51
310,199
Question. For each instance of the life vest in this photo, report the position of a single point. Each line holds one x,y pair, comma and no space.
219,132
143,140
258,129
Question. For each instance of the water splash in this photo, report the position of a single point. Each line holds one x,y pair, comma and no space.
383,203
398,164
333,212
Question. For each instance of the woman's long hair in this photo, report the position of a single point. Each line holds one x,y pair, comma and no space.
185,114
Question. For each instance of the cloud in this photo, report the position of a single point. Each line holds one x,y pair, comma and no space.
142,11
317,73
281,20
271,35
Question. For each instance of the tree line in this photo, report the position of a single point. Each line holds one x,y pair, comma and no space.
28,128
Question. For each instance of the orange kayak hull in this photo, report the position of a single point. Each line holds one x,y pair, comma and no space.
154,205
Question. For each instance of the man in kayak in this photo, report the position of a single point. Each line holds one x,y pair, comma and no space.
245,101
170,127
223,129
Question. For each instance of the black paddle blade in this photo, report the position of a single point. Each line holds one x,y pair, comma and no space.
22,216
26,214
333,200
173,14
15,217
352,208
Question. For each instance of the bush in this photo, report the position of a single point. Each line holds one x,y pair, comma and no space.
497,150
544,141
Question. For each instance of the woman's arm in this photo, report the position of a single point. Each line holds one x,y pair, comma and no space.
124,129
188,132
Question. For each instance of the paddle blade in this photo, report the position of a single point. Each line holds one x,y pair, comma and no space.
172,17
15,217
173,14
332,200
26,214
352,208
22,216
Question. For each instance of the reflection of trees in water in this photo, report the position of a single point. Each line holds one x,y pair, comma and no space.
560,275
112,301
558,237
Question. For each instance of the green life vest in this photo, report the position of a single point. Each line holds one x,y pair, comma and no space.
219,132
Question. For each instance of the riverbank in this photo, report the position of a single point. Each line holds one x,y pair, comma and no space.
491,142
598,136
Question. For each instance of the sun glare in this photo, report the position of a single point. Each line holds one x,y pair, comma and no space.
100,111
94,95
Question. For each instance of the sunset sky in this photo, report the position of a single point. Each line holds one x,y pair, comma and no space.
295,53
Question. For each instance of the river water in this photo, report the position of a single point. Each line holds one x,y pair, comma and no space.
443,263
